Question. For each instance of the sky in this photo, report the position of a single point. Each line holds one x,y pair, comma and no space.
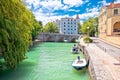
50,10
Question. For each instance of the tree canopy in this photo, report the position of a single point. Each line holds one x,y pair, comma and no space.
51,27
90,26
17,23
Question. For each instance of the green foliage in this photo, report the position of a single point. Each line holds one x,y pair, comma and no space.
90,26
87,39
51,27
16,26
37,29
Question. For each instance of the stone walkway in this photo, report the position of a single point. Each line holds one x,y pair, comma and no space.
106,67
111,49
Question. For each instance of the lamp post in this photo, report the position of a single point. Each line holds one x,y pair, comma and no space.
88,31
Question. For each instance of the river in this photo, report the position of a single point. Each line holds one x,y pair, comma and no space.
47,61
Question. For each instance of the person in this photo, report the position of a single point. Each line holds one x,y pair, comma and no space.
79,61
74,47
78,58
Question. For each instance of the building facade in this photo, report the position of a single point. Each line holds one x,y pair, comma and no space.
109,23
68,25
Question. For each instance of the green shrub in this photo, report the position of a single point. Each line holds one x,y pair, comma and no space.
87,39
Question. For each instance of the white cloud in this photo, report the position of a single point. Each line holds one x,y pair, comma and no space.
73,10
46,18
35,3
43,9
51,4
74,2
95,9
117,1
86,15
65,7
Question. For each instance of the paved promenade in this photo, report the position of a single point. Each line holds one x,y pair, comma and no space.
106,67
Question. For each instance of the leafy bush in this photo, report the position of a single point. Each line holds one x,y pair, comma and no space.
87,39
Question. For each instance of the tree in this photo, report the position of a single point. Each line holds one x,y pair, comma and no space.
89,26
16,25
51,27
37,29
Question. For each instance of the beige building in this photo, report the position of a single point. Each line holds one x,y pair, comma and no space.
109,23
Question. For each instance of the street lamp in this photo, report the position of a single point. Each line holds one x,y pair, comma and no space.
88,31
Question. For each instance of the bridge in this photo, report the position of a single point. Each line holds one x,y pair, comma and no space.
56,37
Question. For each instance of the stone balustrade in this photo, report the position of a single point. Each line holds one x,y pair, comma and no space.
56,37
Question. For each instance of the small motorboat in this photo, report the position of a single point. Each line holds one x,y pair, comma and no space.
65,40
79,64
75,49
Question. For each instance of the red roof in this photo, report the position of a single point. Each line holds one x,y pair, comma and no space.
113,5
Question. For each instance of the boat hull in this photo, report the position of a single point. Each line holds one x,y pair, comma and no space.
79,66
76,51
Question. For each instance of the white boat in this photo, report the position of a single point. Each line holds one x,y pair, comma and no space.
75,49
65,40
79,64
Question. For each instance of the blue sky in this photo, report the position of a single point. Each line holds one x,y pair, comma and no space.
50,10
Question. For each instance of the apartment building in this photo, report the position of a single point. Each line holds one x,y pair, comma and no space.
68,25
109,23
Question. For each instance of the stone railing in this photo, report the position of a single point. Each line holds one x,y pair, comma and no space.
56,37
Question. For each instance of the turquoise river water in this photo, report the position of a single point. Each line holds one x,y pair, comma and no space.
47,61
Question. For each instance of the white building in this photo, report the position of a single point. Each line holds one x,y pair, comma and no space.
68,25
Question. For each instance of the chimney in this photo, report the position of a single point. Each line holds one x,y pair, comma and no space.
77,16
112,4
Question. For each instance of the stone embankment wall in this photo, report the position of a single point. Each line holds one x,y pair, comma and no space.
55,37
99,67
90,65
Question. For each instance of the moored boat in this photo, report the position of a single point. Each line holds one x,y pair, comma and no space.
79,64
65,40
75,49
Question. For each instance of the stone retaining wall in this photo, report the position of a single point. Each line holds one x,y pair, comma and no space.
90,66
97,70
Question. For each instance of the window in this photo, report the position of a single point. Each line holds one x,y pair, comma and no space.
64,26
64,29
64,22
115,11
